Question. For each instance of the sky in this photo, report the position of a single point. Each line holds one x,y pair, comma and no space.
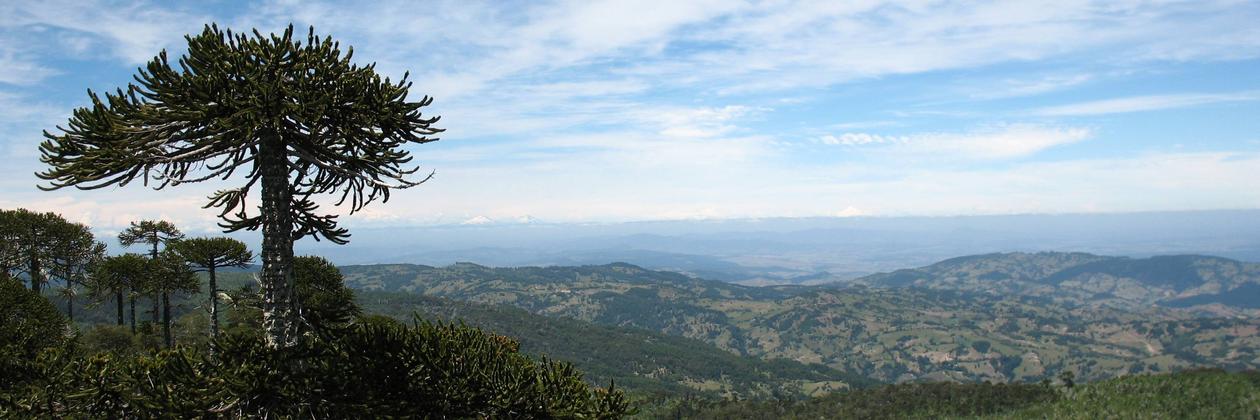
613,111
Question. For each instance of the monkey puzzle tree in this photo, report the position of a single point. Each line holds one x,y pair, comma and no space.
73,261
210,254
39,244
152,233
118,276
327,303
169,274
298,118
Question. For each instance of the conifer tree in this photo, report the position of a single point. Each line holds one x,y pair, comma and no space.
299,119
169,274
152,233
115,277
74,261
209,255
39,244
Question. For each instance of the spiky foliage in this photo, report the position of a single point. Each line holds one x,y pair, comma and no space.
326,301
118,277
150,232
209,255
44,247
297,118
168,275
153,233
373,370
28,322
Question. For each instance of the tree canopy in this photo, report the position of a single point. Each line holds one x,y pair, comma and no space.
36,245
150,232
297,118
117,277
209,255
326,301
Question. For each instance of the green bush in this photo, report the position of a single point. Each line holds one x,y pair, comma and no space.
373,369
29,324
114,339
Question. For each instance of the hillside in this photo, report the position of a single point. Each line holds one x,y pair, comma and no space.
901,334
638,360
1201,284
1190,394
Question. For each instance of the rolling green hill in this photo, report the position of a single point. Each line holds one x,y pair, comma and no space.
636,359
891,334
1204,394
1202,284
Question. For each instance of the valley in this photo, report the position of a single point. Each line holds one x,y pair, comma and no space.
888,330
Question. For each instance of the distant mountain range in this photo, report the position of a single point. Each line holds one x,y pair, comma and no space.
1210,285
808,251
998,317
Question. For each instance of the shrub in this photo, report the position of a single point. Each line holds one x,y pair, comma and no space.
29,324
372,369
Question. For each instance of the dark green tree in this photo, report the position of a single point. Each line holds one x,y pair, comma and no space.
73,261
120,276
29,324
152,233
37,244
298,118
170,274
326,301
209,255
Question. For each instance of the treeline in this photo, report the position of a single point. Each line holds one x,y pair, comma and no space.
346,364
1201,393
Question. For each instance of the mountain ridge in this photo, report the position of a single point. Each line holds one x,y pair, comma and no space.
892,334
1083,279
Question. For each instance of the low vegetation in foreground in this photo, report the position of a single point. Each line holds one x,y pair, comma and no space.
369,367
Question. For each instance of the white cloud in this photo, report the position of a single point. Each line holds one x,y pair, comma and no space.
132,31
1145,103
698,122
1012,88
1001,142
858,139
850,211
477,221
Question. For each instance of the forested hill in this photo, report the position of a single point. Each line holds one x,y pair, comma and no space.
642,361
1204,284
891,334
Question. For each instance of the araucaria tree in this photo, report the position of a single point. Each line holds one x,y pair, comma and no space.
152,233
120,276
169,274
209,255
297,118
38,245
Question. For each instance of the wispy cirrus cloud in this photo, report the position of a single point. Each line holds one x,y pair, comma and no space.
990,143
1144,103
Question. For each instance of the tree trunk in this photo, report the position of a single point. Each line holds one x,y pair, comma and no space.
156,295
166,318
133,314
35,270
277,250
119,297
70,303
157,308
214,309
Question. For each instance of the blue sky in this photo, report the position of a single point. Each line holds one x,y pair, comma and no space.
594,111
